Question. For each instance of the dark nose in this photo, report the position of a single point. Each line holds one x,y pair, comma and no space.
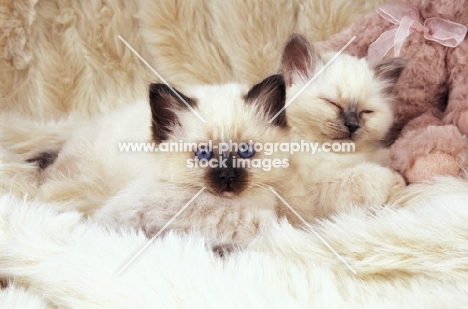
227,174
352,127
351,121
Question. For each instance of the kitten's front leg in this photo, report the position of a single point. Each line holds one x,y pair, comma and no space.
365,185
224,223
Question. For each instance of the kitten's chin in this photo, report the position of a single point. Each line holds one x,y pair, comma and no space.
344,139
340,139
335,137
225,192
228,193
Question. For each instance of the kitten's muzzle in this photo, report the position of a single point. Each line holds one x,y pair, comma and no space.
351,121
227,174
227,179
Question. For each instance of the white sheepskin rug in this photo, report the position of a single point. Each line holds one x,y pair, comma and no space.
410,257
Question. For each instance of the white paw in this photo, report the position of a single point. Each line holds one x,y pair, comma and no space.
365,185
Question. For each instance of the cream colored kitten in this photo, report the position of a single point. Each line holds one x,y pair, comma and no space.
147,189
349,102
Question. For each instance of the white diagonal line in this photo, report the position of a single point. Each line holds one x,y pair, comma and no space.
160,231
311,80
313,231
161,78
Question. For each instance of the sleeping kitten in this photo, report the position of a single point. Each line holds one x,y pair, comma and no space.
147,189
349,101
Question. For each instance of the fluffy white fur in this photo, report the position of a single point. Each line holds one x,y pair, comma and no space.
16,297
239,41
404,257
67,55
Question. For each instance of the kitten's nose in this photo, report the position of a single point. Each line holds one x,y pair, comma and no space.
351,121
352,127
227,174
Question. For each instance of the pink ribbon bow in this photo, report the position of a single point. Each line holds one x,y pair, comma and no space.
406,16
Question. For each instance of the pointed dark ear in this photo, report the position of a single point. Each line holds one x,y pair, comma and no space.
299,58
270,95
389,71
165,107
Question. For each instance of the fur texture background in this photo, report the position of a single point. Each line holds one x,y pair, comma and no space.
58,57
404,257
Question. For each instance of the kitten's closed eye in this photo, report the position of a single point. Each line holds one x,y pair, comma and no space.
333,103
367,111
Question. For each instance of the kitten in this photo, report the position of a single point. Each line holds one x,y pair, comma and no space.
349,101
147,189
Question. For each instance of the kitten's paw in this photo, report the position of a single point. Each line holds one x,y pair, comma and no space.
365,185
224,250
380,184
398,183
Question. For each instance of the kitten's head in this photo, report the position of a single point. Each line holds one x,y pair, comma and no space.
348,99
233,113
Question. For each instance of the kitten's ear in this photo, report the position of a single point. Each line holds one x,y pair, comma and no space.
389,71
299,59
165,107
270,95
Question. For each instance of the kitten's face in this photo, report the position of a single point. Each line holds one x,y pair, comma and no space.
233,113
345,102
348,100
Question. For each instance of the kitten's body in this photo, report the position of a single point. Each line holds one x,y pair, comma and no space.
147,189
348,102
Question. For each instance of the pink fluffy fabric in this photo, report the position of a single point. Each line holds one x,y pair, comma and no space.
417,159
